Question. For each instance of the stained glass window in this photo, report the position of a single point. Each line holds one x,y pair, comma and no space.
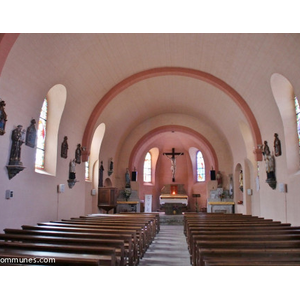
41,137
298,118
200,167
147,168
87,170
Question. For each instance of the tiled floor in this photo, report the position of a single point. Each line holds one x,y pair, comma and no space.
169,248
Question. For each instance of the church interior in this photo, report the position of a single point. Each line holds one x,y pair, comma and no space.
167,124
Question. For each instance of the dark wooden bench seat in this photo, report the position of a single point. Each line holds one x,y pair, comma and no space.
243,244
22,257
252,261
119,239
139,240
151,222
241,255
247,236
137,246
75,245
224,232
145,233
126,238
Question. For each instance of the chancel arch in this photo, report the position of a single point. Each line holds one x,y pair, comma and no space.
161,166
167,71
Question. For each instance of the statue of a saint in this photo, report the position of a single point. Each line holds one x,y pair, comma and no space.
127,179
18,136
241,181
78,154
219,179
31,134
72,173
266,149
101,175
64,148
277,145
3,117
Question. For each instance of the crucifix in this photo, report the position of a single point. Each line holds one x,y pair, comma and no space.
173,161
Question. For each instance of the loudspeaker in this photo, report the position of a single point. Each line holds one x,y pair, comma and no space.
212,175
134,176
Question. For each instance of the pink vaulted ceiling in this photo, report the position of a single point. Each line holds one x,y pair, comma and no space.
90,65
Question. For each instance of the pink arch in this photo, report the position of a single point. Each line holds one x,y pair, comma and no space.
127,82
169,128
7,40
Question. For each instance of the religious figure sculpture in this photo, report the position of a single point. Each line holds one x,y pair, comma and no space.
241,181
173,161
31,134
127,179
277,145
110,167
78,154
3,117
72,171
270,166
64,148
101,175
266,149
219,179
17,137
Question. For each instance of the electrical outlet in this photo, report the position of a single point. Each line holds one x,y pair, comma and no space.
9,194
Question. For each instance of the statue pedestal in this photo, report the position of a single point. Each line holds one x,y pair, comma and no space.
13,170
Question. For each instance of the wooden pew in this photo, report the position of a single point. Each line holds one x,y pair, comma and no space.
145,233
241,256
126,238
216,231
138,241
122,237
98,250
21,239
23,257
99,230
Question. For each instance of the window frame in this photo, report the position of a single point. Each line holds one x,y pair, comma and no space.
200,171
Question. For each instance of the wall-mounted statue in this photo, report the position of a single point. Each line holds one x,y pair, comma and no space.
127,179
241,181
277,145
110,166
18,138
219,179
270,166
64,148
101,169
3,117
72,169
78,154
31,134
72,173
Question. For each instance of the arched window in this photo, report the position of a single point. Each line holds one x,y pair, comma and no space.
41,137
147,167
48,128
297,108
200,167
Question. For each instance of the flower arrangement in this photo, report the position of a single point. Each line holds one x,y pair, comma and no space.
127,193
222,196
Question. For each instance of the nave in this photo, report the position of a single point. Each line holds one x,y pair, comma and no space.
169,248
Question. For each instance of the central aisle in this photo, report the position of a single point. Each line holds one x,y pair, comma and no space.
169,248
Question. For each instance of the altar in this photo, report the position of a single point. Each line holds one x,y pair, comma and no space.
220,202
173,198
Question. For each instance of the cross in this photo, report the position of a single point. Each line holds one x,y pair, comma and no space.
173,161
